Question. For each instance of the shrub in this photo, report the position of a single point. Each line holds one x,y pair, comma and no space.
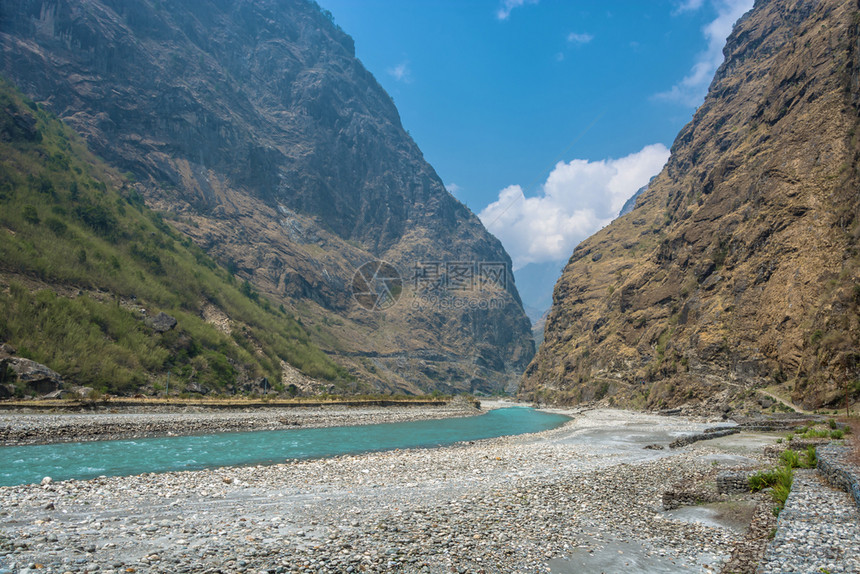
790,458
7,374
779,494
97,217
601,391
811,457
779,480
761,480
56,226
30,215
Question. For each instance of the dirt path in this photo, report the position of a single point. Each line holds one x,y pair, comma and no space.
784,402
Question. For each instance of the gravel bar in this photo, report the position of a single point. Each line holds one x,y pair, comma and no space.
818,530
581,498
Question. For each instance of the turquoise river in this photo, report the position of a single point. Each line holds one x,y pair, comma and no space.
84,460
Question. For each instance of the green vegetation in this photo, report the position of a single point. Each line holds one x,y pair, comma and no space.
82,257
812,433
811,457
779,480
246,400
7,374
809,432
791,458
780,491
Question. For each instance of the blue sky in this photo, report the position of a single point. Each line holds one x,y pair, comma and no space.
543,116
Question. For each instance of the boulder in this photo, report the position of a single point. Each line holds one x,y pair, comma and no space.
261,385
196,388
161,322
61,394
36,376
766,402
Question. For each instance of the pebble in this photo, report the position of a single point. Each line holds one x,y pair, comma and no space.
510,504
817,531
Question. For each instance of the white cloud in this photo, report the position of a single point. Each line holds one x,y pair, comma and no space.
577,199
504,11
401,72
692,89
689,6
575,38
452,188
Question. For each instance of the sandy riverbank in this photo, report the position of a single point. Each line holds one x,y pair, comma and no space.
582,498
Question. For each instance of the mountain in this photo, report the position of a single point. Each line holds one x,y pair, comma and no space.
257,133
538,327
98,288
631,203
739,266
535,282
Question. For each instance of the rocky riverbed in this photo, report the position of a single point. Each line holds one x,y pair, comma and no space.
110,424
584,496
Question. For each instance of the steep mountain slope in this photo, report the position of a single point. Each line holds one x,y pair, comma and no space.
739,265
95,285
253,124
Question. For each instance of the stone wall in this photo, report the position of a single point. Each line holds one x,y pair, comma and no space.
708,434
731,482
679,496
834,466
796,444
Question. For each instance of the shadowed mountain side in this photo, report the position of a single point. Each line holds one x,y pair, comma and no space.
254,128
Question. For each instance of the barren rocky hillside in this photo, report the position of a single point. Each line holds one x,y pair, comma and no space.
739,266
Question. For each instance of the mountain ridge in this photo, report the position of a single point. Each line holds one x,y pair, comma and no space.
738,266
258,133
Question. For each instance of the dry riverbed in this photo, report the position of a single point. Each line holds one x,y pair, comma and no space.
582,498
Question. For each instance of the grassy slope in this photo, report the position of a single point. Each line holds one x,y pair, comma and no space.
72,225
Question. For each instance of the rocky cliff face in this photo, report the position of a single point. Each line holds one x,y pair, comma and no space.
739,265
253,124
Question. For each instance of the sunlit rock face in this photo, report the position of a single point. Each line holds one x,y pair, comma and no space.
739,265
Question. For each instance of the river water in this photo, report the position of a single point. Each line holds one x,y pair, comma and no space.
84,460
